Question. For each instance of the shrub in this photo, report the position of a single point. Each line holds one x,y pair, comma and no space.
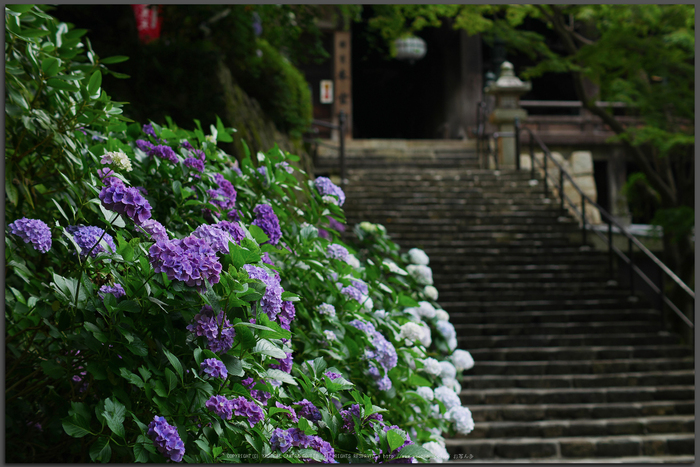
202,312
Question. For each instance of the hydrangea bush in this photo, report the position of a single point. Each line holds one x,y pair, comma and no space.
164,302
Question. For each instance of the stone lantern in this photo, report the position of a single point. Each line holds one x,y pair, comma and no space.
507,89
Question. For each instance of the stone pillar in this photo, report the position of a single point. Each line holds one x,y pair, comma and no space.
617,177
342,80
507,89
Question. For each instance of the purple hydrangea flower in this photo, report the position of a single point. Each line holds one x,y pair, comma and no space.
282,439
292,415
354,409
336,251
233,228
271,302
164,152
238,171
195,164
285,166
214,368
220,406
33,231
166,439
155,229
285,364
267,220
352,292
249,409
361,286
334,224
190,260
117,291
186,144
107,176
384,353
262,171
142,190
257,394
148,129
216,237
144,145
199,154
323,233
118,198
332,375
266,259
219,335
233,215
326,187
225,195
87,236
308,410
287,314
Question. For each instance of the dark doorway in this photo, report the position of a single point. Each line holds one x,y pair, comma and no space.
600,174
396,99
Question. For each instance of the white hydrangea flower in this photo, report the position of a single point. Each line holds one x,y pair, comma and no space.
453,384
394,268
411,332
368,227
380,314
423,274
326,309
425,338
432,366
367,303
448,397
121,161
446,329
438,451
413,313
430,292
452,343
210,138
418,256
352,261
426,310
425,392
329,199
448,370
462,360
462,417
442,315
329,335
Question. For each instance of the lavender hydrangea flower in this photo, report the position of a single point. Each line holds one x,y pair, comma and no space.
118,198
384,351
88,236
332,375
199,154
216,237
285,364
219,335
336,251
285,166
144,145
233,215
327,188
271,302
334,224
233,228
225,195
292,415
220,406
155,229
360,285
148,129
166,439
164,152
257,394
308,410
280,440
214,368
117,291
190,260
323,233
287,314
326,309
283,439
352,292
195,164
354,409
267,220
186,144
33,231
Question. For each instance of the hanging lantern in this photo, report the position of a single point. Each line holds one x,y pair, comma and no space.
410,48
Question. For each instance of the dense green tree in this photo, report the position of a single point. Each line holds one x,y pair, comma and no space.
642,55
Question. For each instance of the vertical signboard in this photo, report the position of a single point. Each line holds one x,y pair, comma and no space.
326,91
148,22
342,74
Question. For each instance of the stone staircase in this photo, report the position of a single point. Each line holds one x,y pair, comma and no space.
569,367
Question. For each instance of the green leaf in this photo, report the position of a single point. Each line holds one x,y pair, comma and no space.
416,380
311,454
266,347
221,133
172,379
281,376
53,369
19,8
233,365
62,85
74,427
258,234
140,453
94,84
413,450
114,59
290,297
407,301
115,413
395,438
100,450
174,361
246,337
50,66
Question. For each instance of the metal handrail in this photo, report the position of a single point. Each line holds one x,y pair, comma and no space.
341,147
610,220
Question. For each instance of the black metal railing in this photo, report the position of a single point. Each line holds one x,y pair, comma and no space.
341,147
607,217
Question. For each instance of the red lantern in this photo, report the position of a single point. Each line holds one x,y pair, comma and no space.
148,22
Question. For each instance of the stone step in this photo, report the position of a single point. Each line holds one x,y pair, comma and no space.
447,232
648,378
572,340
682,459
541,412
590,395
498,287
484,367
520,354
574,447
536,305
437,222
571,316
407,173
674,424
534,295
601,328
482,277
